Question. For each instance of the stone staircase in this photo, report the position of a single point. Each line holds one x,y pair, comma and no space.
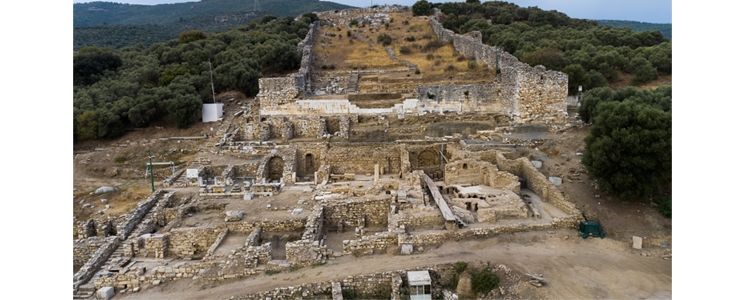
117,260
86,291
354,83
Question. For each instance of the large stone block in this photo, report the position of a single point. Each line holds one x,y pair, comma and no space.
105,293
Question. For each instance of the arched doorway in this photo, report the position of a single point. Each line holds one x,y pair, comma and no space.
428,158
275,169
430,162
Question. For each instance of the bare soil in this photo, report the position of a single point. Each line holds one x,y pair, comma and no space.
573,268
621,219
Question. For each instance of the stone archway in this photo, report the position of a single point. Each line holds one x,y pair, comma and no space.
430,162
428,158
275,168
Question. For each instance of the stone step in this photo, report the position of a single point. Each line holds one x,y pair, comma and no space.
83,295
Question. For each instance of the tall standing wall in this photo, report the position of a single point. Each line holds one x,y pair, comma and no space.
275,91
531,95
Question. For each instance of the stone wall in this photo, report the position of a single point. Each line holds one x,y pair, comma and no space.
361,159
84,250
258,255
532,95
192,242
281,90
275,91
314,229
98,258
284,127
475,172
333,83
423,217
138,214
288,156
309,151
345,16
427,239
370,286
305,252
220,238
356,212
154,245
382,285
537,182
485,97
376,243
135,278
282,225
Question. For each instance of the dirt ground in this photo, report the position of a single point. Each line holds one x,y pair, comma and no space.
574,269
120,162
621,219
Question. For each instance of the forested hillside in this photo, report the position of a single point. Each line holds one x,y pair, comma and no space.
109,13
664,29
591,54
108,24
116,90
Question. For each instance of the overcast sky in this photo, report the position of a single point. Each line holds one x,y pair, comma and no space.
656,11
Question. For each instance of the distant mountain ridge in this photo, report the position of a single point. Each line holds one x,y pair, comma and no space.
110,24
663,28
110,13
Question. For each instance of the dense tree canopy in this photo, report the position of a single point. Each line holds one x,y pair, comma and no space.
592,55
90,63
116,90
421,8
628,150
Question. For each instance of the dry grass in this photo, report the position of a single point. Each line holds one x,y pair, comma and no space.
121,202
362,51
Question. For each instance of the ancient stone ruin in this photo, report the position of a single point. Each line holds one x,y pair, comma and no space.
349,160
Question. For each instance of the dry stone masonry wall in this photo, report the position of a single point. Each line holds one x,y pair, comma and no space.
529,94
275,91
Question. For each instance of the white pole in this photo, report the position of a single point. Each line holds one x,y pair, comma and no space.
213,90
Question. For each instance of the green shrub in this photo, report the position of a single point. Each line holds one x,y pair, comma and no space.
422,8
432,45
271,272
385,39
405,50
472,65
664,206
120,159
460,266
483,280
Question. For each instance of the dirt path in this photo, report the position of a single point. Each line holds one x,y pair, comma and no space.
574,268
